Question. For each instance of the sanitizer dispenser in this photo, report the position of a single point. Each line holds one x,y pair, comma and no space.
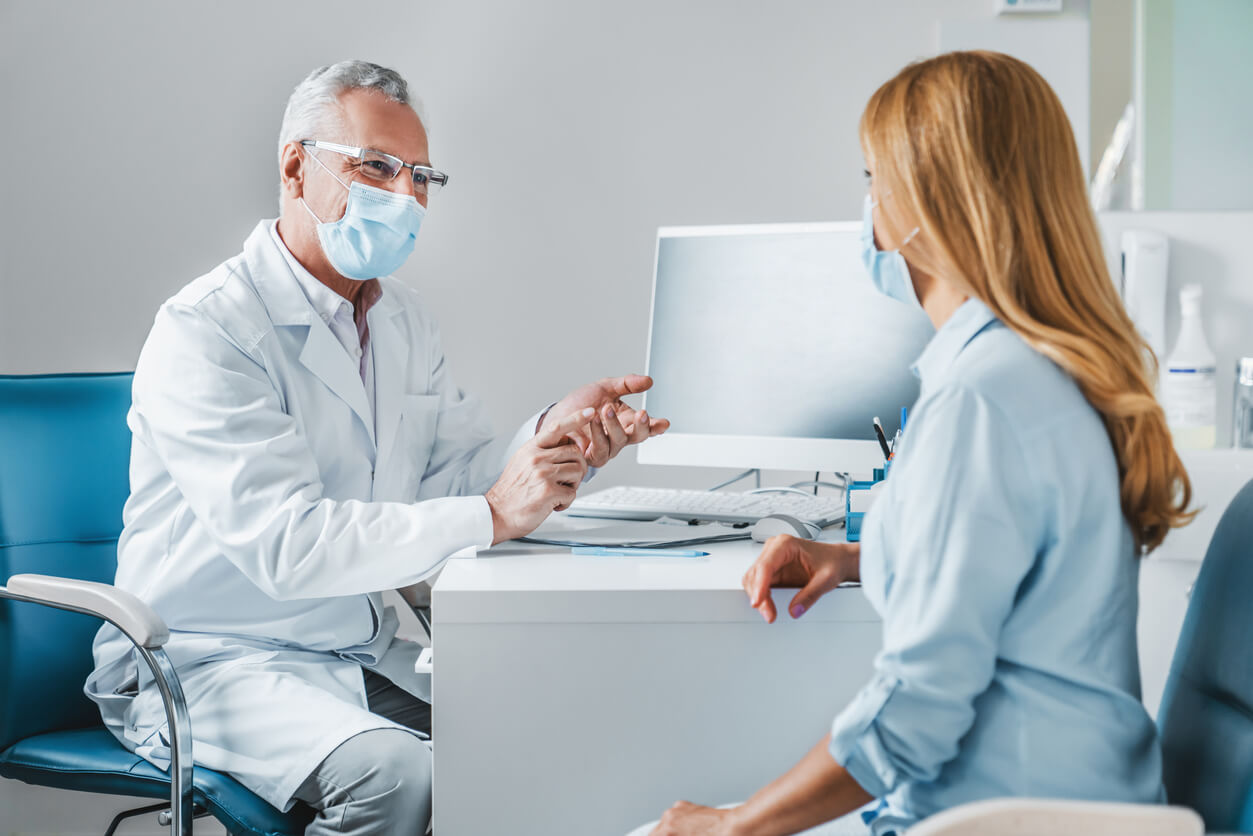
1145,258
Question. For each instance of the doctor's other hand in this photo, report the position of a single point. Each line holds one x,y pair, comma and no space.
616,424
787,561
540,478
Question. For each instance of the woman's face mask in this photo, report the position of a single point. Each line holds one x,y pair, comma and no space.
887,268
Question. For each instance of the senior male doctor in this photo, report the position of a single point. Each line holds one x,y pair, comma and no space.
299,446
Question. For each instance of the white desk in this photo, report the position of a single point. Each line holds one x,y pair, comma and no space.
584,695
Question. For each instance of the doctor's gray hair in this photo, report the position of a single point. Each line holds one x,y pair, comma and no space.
314,103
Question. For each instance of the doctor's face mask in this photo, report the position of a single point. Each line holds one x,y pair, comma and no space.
376,234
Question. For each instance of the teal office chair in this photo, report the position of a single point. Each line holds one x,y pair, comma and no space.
1206,716
64,457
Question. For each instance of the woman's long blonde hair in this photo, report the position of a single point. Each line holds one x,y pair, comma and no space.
977,152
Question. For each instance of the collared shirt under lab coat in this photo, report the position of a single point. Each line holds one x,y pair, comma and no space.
267,512
353,332
1006,577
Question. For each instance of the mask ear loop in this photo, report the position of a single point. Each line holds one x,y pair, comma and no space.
874,203
311,156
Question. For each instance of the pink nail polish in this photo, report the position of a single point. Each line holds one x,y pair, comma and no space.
798,610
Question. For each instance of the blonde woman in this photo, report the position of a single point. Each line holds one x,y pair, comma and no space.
1035,470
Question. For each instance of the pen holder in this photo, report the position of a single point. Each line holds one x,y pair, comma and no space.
853,519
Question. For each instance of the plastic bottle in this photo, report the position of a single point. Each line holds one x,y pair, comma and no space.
1189,392
1242,405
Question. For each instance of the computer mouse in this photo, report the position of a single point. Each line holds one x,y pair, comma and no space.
767,527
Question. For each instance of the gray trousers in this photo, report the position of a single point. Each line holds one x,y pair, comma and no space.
378,781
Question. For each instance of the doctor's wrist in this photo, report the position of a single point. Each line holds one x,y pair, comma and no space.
500,528
540,423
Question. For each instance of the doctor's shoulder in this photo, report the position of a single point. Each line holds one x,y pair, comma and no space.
224,300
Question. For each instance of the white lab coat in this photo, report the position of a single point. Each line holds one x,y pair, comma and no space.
266,515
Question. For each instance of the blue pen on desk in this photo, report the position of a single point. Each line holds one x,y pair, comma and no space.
602,551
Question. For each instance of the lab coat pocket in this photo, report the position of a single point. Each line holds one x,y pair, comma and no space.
419,418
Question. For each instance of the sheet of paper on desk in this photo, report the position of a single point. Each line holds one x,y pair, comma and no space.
643,532
634,532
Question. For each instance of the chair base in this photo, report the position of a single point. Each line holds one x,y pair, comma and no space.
197,813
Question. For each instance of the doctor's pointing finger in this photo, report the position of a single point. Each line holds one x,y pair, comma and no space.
616,425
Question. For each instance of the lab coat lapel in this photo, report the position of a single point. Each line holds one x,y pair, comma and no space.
391,356
287,305
325,357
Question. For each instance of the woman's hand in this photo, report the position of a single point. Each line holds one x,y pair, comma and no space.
814,791
788,561
687,819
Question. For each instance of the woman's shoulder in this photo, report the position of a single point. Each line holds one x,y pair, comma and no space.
1033,392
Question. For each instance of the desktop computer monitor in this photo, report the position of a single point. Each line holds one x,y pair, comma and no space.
769,347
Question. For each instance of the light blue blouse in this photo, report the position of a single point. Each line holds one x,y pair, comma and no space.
1006,577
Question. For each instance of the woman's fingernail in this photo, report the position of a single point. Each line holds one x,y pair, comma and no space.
587,413
798,610
609,412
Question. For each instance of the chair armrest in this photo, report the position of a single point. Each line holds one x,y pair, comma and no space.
131,615
140,623
1049,817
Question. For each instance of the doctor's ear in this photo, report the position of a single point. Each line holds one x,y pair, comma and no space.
291,169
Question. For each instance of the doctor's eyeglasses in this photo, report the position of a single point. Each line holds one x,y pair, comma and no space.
376,165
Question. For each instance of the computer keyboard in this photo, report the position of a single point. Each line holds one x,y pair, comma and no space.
631,503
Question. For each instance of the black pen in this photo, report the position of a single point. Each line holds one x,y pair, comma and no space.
883,439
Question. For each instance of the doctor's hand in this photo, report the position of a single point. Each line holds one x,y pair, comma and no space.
788,561
616,425
542,477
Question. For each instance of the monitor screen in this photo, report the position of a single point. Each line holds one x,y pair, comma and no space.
771,348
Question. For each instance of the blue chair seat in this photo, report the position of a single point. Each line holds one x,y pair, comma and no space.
91,760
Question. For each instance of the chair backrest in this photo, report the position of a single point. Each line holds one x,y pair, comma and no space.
64,463
1206,715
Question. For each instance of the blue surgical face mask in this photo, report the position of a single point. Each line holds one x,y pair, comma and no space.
887,268
376,234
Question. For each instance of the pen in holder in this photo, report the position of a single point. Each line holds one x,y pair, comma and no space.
857,501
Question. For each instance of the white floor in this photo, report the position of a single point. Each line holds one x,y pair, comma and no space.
27,810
